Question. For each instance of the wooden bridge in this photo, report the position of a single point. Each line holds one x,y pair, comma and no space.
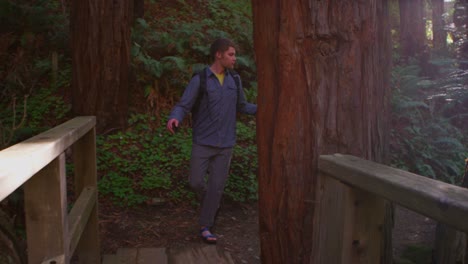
351,208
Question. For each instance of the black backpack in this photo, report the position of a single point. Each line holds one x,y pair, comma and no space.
203,92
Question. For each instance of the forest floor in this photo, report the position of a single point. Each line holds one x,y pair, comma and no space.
174,227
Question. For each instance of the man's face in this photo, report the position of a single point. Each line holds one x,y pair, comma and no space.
227,58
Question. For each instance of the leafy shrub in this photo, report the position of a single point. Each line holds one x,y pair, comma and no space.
166,51
242,183
144,162
425,138
121,189
29,27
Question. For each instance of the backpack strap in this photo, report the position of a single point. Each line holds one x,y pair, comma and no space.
202,88
203,91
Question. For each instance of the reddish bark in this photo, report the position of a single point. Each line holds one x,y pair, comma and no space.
412,27
438,31
100,41
322,75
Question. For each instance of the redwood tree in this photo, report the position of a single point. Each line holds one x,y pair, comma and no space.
322,88
438,24
460,19
412,27
100,41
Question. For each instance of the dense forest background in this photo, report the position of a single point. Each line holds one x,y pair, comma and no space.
139,162
127,62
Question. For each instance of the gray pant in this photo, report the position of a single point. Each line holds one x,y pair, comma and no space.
216,161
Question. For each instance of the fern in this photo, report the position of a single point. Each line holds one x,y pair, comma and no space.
179,62
404,105
427,138
166,51
451,144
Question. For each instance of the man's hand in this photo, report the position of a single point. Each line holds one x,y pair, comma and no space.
171,124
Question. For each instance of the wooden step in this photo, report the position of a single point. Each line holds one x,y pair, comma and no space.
110,259
152,255
137,256
208,254
204,254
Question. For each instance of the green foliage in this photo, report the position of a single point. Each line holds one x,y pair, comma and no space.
251,94
40,111
44,101
25,99
33,18
425,137
168,50
144,162
234,17
415,254
121,189
242,183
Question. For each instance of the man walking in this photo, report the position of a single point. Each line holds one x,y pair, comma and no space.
214,96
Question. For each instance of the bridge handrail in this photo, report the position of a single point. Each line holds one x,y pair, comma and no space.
53,234
438,200
20,162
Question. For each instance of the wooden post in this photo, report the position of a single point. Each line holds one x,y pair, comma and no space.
451,245
351,224
84,158
332,232
45,198
368,213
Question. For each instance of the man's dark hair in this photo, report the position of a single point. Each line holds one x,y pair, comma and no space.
221,45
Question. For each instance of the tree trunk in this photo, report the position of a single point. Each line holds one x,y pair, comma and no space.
412,27
100,41
139,9
323,69
438,24
460,19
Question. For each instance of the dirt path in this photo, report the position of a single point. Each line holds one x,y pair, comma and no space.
174,227
411,228
237,228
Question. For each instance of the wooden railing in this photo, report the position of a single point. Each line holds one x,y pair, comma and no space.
354,198
353,194
53,234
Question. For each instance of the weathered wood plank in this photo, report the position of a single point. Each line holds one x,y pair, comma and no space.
20,162
56,260
127,255
45,199
79,215
228,258
110,259
441,201
368,215
196,255
450,245
350,224
84,158
152,255
335,232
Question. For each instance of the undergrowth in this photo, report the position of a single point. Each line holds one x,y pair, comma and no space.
167,50
427,135
147,162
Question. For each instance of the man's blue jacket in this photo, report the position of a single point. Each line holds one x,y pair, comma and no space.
214,122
